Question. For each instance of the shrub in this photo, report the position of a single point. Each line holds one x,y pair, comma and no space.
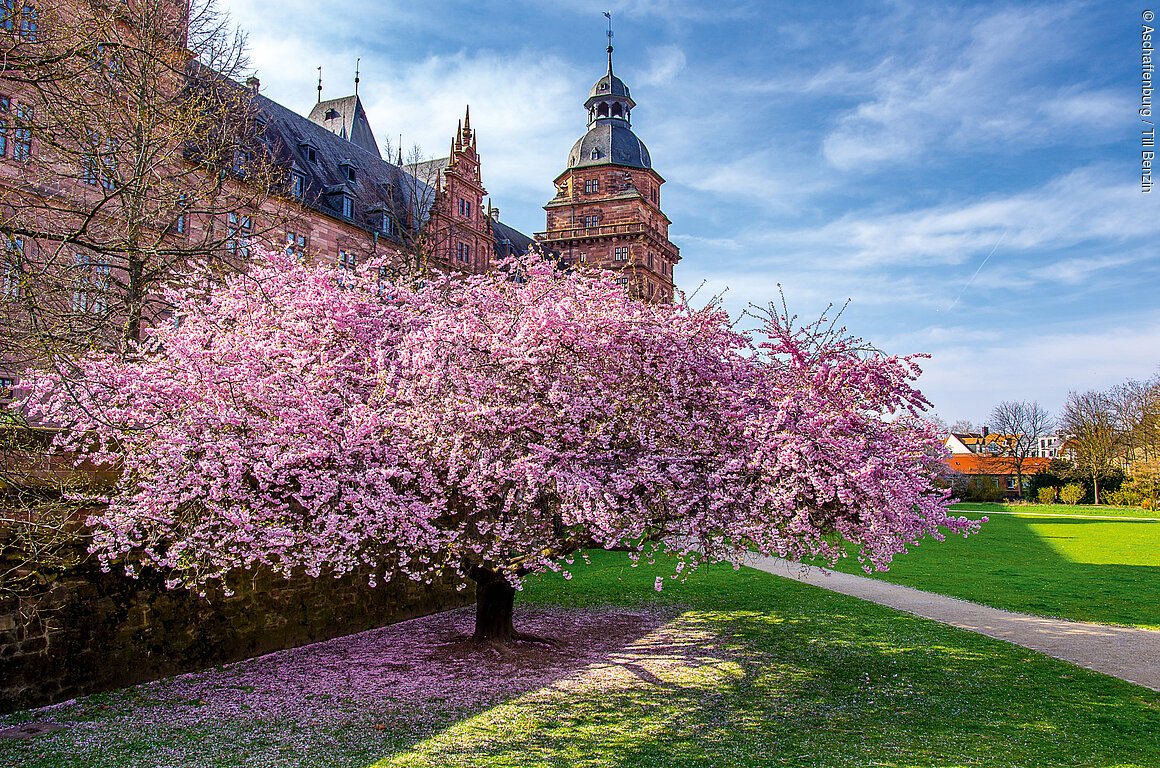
1072,493
1046,494
1125,497
978,489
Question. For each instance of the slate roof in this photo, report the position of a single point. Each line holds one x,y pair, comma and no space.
346,117
610,85
517,242
377,184
609,142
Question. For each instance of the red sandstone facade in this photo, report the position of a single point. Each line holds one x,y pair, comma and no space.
607,210
338,201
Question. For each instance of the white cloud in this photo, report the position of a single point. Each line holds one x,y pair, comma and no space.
968,375
664,64
990,81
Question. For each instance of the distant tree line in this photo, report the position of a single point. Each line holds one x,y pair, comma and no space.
1109,450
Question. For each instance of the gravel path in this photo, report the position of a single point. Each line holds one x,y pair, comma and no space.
1124,652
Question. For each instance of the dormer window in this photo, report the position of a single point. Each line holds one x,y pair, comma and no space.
387,224
347,207
347,169
595,154
331,114
297,184
309,151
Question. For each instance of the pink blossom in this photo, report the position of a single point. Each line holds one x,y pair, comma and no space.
309,420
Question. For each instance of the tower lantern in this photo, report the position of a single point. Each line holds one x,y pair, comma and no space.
607,210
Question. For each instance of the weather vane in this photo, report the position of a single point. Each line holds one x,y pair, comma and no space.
608,15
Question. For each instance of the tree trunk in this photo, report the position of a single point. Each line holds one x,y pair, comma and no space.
1096,488
494,600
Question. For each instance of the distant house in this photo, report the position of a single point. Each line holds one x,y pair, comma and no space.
1048,446
979,442
1000,470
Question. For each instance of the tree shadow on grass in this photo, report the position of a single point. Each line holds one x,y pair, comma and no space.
725,669
761,671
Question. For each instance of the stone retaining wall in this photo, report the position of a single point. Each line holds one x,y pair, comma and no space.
97,631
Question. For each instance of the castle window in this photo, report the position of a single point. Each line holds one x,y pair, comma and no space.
182,205
595,154
602,110
295,244
350,174
620,253
90,285
583,258
463,252
465,208
29,23
7,15
590,221
387,224
100,164
347,207
22,136
347,261
3,125
6,385
13,269
650,261
622,281
591,185
297,184
311,154
616,111
239,229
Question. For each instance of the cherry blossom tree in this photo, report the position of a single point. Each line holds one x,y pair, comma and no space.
484,428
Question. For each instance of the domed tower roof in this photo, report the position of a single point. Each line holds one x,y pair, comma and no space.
610,140
609,85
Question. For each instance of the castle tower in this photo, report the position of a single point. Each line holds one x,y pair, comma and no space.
607,209
461,234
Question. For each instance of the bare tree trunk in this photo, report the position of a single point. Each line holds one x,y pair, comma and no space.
494,602
1096,487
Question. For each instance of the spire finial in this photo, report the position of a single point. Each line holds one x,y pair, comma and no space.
467,120
608,15
320,85
400,163
356,63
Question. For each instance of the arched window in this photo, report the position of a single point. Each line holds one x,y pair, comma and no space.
616,111
602,110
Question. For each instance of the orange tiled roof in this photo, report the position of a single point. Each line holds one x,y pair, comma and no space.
976,464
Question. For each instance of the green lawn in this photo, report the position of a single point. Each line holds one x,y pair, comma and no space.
1101,570
1056,510
737,669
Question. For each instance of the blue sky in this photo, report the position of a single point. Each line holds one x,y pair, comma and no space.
967,173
